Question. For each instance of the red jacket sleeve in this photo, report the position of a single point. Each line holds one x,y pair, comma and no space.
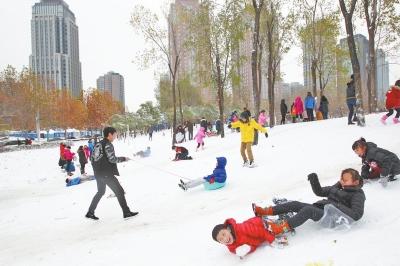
255,228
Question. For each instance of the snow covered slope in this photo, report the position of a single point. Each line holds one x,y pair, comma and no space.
42,221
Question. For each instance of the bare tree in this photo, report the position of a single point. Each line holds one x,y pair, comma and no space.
348,13
160,40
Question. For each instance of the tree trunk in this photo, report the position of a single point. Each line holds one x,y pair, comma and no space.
220,93
259,70
254,54
180,104
314,76
271,94
174,109
353,52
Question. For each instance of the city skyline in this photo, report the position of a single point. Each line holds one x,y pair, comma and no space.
117,49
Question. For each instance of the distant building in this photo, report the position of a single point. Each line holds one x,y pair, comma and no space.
55,46
113,83
382,76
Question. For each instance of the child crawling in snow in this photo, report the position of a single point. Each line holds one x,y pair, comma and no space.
377,163
216,179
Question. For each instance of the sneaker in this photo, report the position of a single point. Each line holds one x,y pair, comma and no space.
246,164
183,187
351,123
383,181
252,164
91,215
130,214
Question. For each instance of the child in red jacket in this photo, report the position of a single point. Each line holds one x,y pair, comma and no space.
393,103
242,238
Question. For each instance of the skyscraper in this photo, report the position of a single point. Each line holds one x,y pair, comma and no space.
113,83
55,46
382,77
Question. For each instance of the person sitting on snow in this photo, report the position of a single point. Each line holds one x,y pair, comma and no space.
242,238
181,153
346,195
143,154
377,162
214,181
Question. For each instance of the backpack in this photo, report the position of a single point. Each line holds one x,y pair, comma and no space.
99,158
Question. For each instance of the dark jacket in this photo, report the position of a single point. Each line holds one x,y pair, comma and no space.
284,109
387,161
82,157
103,159
349,200
351,91
324,104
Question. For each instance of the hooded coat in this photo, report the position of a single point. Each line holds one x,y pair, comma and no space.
219,173
298,103
200,135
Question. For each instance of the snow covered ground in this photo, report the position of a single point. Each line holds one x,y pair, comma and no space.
42,221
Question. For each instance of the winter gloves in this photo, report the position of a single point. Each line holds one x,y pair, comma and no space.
229,126
266,134
243,250
312,177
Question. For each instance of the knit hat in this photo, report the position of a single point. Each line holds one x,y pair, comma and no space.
216,230
244,116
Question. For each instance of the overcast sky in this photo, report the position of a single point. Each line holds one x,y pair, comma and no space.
107,42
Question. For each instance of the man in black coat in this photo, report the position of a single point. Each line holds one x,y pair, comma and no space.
204,123
189,126
105,169
346,195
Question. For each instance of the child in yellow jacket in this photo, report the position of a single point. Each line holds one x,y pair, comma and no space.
247,126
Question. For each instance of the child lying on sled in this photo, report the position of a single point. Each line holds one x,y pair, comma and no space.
214,181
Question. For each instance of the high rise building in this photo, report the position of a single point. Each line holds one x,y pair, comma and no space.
180,16
113,83
362,54
382,77
382,68
55,46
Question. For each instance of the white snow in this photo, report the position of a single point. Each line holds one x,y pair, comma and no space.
42,221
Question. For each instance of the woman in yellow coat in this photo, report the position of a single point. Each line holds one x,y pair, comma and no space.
247,126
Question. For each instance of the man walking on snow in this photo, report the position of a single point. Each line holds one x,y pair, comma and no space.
105,169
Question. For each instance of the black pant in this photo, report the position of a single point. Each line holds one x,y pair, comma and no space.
198,145
113,183
283,120
255,141
391,111
83,168
310,114
190,135
304,212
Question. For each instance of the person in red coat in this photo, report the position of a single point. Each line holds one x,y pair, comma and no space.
393,103
69,156
62,161
242,238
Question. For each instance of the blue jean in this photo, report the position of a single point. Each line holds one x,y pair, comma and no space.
351,103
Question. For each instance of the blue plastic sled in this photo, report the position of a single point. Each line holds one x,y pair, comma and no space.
213,186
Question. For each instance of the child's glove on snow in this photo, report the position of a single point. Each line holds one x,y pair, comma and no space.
243,250
312,177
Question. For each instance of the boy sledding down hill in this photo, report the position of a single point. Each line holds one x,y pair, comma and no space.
377,162
214,181
247,126
346,195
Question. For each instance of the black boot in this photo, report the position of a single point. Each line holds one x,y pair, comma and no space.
130,214
91,215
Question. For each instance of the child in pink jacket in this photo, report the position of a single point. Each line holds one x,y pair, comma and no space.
200,138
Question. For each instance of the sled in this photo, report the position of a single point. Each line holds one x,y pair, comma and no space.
335,219
213,186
